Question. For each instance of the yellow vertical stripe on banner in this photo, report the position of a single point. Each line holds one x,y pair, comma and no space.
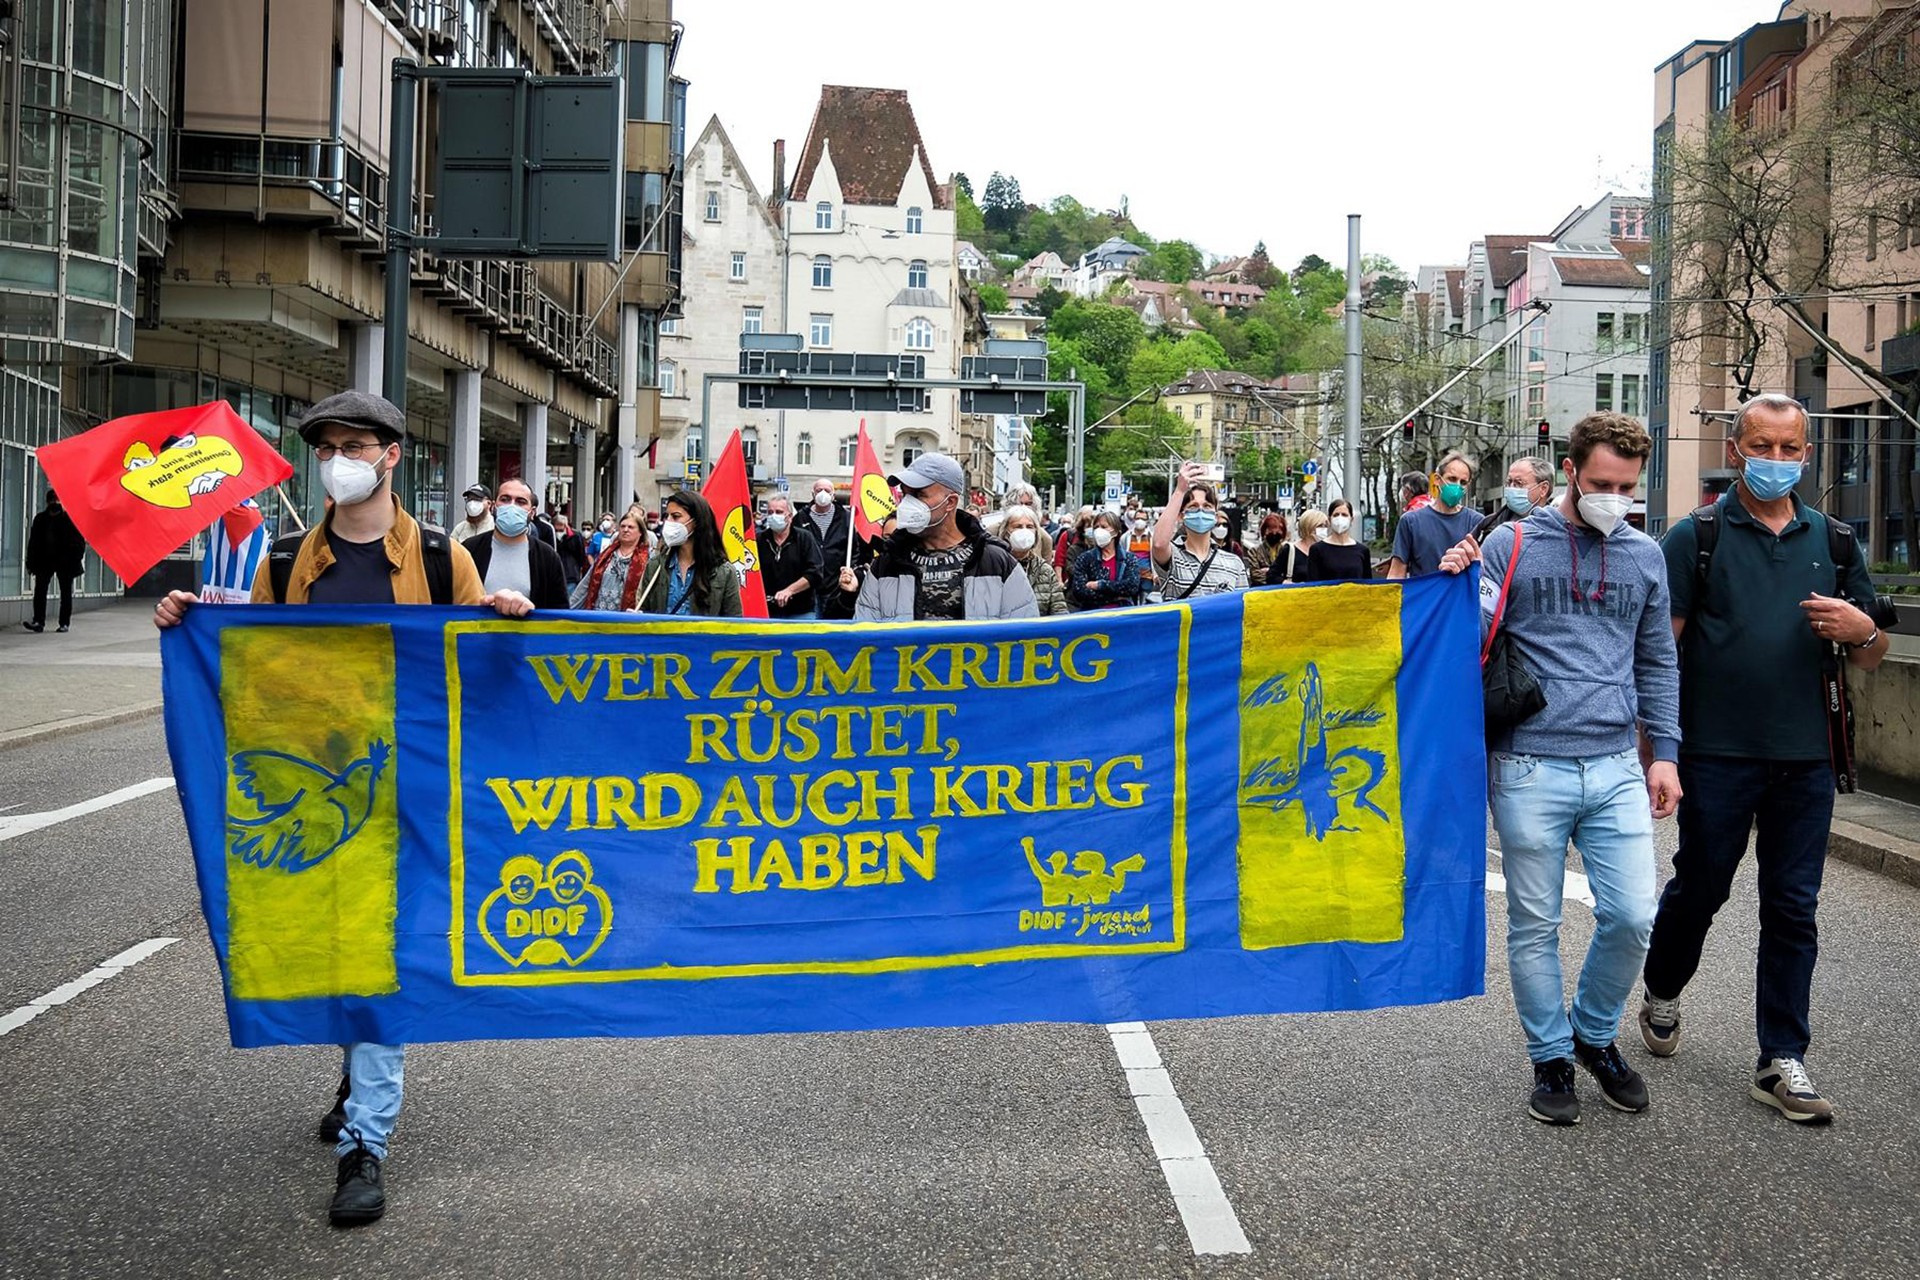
1322,854
312,820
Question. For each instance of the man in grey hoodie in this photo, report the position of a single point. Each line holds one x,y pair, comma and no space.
1588,611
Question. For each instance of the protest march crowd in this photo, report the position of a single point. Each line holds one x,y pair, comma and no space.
1627,680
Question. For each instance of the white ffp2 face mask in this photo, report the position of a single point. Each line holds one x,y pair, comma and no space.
913,515
348,481
673,533
1022,539
1604,511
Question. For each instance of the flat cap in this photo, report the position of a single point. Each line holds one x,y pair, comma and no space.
932,468
360,410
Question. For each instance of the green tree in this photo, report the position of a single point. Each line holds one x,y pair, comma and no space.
992,298
1159,364
1001,203
963,185
1107,335
1049,300
1175,261
968,221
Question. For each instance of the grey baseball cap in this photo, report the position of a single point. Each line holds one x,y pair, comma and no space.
360,410
931,468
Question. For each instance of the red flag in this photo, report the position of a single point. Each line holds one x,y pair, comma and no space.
872,496
139,486
731,497
241,522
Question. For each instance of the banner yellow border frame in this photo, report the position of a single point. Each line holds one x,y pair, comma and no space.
456,851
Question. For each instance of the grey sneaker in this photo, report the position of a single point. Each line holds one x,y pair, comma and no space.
1659,1025
1783,1085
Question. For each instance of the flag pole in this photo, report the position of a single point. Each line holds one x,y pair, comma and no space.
288,504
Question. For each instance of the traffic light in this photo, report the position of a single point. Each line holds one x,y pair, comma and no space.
1546,432
1406,431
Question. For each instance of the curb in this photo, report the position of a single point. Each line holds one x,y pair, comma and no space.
1875,851
75,724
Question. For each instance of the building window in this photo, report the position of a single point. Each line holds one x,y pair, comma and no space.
1873,236
696,446
1603,330
713,204
750,319
1602,392
669,378
1630,394
670,327
803,450
848,446
823,272
1179,411
1873,335
1536,400
920,334
820,330
916,274
1537,342
823,216
910,450
915,221
737,267
750,450
1633,330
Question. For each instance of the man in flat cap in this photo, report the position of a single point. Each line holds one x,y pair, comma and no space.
367,550
940,563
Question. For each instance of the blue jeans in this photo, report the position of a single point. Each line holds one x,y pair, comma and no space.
1600,804
374,1102
1792,804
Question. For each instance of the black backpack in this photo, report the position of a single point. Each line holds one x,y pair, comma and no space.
1706,534
435,549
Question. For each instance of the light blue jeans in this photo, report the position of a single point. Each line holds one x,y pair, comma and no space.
373,1104
1599,803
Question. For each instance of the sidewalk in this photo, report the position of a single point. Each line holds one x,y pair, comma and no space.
105,670
1877,833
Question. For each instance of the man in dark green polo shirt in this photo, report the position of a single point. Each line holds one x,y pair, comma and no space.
1754,748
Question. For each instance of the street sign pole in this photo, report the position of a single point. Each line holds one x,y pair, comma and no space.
406,100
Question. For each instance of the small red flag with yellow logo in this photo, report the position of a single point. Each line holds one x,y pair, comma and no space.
731,498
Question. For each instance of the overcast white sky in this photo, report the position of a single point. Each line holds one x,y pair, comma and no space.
1439,121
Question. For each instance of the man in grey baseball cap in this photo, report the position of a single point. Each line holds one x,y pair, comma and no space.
940,563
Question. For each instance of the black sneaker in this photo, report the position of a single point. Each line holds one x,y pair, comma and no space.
1553,1100
335,1120
34,626
1622,1085
358,1196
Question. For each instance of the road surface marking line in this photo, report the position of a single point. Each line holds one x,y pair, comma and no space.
1575,888
20,824
1212,1226
110,967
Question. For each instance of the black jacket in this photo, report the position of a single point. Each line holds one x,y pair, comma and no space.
833,545
549,580
55,548
784,563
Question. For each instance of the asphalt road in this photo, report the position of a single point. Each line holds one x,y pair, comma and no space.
135,1142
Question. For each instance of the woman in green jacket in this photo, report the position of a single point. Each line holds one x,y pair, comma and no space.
692,576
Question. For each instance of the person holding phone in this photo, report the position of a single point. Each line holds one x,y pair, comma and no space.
1184,552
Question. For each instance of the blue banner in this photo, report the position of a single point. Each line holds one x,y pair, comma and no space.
421,824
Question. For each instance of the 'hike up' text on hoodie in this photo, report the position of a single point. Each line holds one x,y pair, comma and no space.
1605,658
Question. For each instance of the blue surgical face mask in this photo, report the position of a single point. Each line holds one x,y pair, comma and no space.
510,521
1770,478
1200,520
1518,500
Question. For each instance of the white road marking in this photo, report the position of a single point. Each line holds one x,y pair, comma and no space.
93,977
21,824
1575,888
1212,1226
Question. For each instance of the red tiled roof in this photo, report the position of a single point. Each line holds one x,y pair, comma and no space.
874,140
1507,257
1638,252
1456,289
1606,273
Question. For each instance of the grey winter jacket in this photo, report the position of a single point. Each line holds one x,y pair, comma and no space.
995,585
1596,633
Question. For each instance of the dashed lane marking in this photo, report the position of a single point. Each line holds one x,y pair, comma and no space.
20,824
1212,1226
108,968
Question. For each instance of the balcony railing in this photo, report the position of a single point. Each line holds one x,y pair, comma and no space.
1900,355
326,167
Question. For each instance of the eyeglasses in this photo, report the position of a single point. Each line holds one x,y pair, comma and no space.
353,449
